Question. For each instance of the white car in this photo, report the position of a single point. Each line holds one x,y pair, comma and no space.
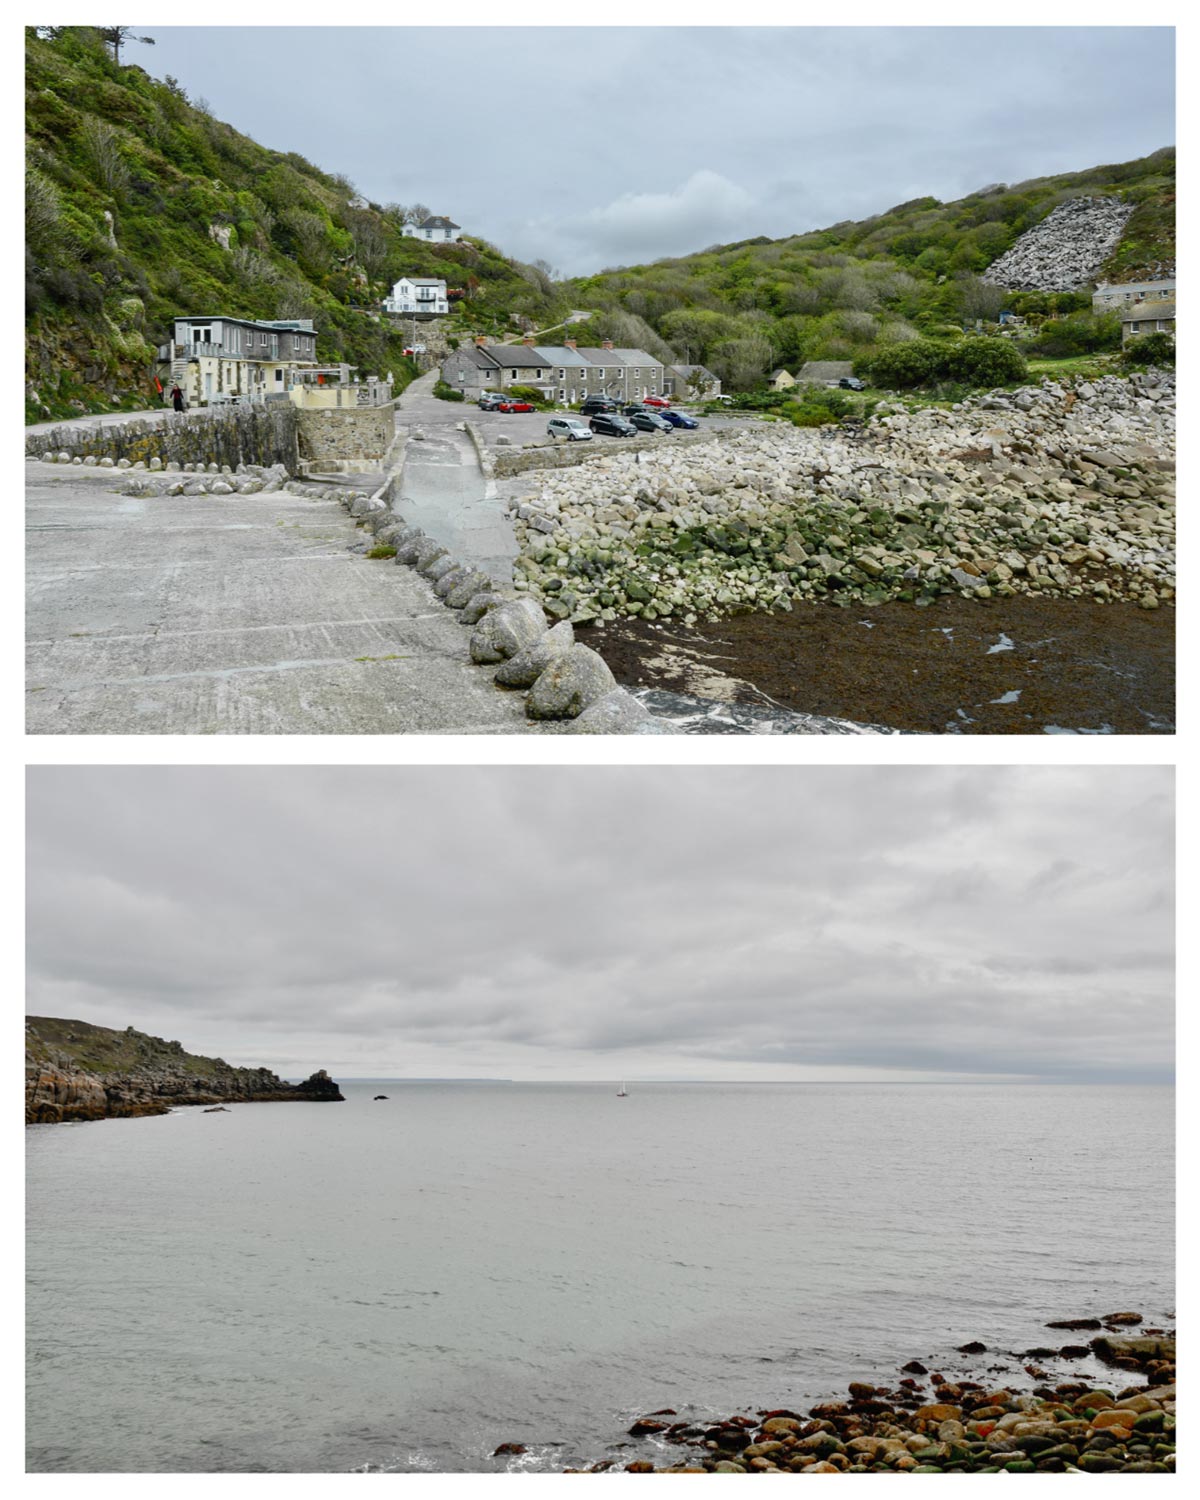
574,429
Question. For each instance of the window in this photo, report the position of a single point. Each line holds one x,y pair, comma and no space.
562,374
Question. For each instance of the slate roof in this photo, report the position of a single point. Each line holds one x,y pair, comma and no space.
1148,311
517,356
560,355
478,357
438,221
630,356
826,369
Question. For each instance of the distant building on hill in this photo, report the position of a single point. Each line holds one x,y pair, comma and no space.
780,380
418,296
437,228
215,359
1115,297
1150,316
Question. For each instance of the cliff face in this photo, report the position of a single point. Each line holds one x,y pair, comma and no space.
75,1071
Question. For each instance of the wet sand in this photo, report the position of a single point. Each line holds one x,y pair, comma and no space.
952,667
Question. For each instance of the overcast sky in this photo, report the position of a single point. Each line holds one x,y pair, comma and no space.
590,147
555,923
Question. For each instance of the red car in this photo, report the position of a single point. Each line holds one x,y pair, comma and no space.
514,406
655,401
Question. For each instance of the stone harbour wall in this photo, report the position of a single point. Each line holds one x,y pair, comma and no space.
227,436
341,437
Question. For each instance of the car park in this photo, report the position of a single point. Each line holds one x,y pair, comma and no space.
678,419
612,424
594,404
511,404
650,421
574,429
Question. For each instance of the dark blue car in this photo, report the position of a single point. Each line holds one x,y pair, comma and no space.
677,419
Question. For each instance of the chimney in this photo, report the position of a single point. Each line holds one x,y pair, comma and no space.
481,341
568,343
607,344
528,341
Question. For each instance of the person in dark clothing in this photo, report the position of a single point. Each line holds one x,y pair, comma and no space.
176,398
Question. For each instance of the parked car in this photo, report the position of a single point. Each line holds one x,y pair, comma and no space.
574,429
678,419
655,401
850,383
489,400
594,404
511,404
633,406
612,424
650,421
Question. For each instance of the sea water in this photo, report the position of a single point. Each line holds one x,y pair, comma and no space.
404,1284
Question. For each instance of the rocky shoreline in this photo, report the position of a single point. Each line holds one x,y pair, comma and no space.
924,1423
150,1076
1064,489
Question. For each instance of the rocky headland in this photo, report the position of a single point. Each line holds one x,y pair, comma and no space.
77,1071
1063,489
924,1423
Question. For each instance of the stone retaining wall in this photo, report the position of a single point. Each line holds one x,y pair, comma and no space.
343,440
262,435
567,455
486,462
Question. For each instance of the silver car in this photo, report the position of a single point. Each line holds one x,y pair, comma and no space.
574,429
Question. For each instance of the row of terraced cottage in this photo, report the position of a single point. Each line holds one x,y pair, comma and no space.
568,374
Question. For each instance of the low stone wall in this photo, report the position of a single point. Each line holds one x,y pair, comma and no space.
486,462
231,436
567,455
342,440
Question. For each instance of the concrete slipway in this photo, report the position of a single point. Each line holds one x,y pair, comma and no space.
237,614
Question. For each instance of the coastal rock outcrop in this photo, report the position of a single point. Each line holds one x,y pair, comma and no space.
77,1071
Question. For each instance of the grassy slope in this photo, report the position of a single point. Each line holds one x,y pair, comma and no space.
841,292
106,138
98,1049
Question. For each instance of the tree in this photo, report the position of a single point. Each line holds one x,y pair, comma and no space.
905,365
986,362
1150,349
117,36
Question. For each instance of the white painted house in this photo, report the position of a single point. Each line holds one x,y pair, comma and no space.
417,294
437,228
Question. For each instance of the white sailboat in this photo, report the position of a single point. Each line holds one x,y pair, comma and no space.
622,1092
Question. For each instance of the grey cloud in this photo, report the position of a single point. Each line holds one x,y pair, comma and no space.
776,129
657,922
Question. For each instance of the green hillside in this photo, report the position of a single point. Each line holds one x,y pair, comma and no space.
202,220
856,288
99,1049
